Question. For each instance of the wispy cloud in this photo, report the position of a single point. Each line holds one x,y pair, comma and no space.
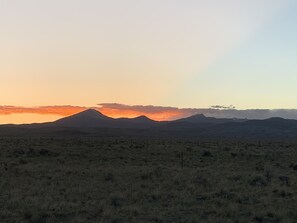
63,110
171,113
154,112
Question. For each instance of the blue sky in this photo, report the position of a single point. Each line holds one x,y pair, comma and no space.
260,72
186,54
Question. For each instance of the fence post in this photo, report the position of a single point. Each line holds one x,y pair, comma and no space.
182,159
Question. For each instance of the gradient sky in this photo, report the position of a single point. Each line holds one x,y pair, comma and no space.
177,53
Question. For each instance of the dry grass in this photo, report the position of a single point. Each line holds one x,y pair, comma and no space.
125,180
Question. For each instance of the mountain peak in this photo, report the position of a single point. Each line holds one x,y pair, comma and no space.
91,112
87,118
143,119
198,116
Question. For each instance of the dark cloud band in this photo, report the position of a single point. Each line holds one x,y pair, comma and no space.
155,112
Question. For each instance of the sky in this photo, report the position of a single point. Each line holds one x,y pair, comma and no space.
180,54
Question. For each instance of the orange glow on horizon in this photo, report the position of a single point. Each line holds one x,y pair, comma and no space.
44,110
158,116
63,111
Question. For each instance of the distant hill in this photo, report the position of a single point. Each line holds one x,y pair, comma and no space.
200,118
94,119
94,123
87,119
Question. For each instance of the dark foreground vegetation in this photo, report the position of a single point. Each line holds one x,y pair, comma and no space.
132,180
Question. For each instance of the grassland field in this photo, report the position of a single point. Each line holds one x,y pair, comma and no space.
46,180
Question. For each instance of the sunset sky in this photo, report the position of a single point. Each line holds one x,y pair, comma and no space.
59,57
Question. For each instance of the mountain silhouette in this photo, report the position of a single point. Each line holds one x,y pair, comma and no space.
94,119
140,119
143,119
93,123
200,118
86,119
